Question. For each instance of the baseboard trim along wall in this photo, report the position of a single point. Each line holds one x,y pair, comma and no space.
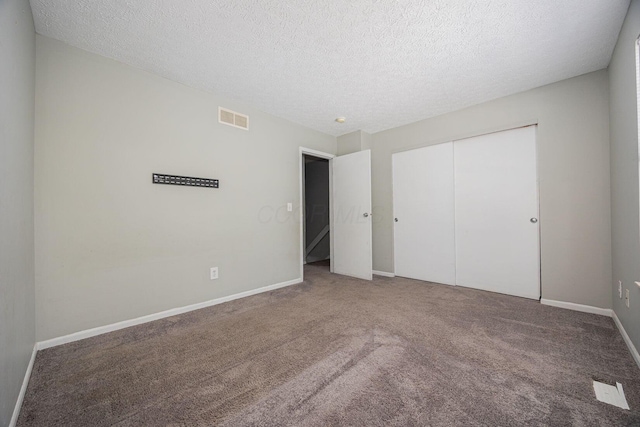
603,312
23,389
578,307
156,316
627,340
383,273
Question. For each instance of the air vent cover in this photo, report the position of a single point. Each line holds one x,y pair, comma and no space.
232,118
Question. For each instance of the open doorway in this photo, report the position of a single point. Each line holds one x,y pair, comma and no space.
347,182
316,211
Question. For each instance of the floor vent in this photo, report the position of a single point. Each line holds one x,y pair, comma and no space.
611,394
232,118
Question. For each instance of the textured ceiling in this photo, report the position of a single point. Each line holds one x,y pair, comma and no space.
379,63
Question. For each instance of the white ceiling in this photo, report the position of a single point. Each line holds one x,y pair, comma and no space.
379,63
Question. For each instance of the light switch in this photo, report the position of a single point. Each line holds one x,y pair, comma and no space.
289,207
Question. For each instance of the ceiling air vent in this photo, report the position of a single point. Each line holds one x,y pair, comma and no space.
232,118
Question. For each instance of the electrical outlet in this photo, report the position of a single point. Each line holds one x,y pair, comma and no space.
626,297
620,288
214,273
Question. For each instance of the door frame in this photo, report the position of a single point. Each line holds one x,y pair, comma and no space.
301,217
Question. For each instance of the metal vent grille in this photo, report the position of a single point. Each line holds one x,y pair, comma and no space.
232,118
226,117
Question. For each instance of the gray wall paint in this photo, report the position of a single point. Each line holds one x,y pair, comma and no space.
573,153
366,140
349,143
625,213
354,141
111,246
317,207
17,82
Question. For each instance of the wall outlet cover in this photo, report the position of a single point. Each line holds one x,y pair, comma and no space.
213,273
626,297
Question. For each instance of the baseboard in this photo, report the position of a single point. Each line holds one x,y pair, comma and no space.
627,340
23,389
578,307
156,316
383,273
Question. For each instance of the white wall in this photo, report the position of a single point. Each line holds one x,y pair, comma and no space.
625,213
17,82
110,245
573,163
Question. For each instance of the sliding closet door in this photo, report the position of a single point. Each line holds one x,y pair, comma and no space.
496,196
423,203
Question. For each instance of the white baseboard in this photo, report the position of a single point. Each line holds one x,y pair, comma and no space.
161,315
578,307
603,312
627,340
383,273
23,389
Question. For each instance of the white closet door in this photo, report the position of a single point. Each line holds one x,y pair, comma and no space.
423,203
496,196
352,251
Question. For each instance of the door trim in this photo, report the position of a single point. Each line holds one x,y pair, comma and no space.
320,154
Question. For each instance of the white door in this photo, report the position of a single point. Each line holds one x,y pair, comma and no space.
496,196
423,204
352,254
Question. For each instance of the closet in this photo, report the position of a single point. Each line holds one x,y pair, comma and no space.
466,213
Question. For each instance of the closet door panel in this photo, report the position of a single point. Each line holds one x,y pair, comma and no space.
423,200
496,215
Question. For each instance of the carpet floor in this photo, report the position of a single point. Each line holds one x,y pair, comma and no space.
340,351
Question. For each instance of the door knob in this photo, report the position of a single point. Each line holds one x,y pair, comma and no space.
365,214
395,219
534,220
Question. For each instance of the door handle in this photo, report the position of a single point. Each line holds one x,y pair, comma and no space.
534,220
366,215
395,219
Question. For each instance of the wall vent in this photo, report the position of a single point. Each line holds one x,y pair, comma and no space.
232,118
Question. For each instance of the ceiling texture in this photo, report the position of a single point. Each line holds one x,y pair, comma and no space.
379,63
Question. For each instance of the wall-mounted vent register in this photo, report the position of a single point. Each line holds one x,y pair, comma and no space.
232,118
159,178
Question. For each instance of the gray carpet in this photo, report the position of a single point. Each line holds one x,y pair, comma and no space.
340,351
